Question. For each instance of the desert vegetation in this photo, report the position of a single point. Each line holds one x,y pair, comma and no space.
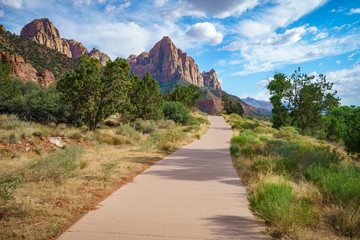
65,148
301,186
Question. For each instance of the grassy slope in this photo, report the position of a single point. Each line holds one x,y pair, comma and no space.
40,57
285,187
46,205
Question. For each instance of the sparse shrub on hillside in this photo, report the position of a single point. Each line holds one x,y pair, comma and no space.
287,133
263,139
262,164
128,131
278,205
234,150
58,165
262,130
8,185
248,124
276,143
145,126
166,124
240,140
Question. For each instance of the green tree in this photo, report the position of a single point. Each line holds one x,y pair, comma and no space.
188,95
278,88
232,105
145,100
8,88
95,94
176,111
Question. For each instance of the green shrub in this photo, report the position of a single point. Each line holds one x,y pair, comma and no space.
176,111
240,140
8,185
128,131
263,130
58,165
107,167
287,132
276,143
318,155
248,124
234,150
286,165
264,139
287,150
278,205
340,183
166,124
262,164
76,135
145,126
248,152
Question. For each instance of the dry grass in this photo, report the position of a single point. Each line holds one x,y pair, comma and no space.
43,209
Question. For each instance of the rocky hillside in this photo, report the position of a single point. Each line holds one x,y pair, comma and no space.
44,32
167,63
23,53
258,103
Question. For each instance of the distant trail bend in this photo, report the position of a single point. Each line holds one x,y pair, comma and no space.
193,193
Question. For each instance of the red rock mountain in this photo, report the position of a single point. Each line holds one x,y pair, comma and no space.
44,32
166,63
25,71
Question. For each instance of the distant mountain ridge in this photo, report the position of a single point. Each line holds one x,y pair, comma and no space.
44,32
258,103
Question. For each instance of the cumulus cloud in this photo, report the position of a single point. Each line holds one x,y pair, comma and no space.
160,3
264,83
12,3
113,9
280,15
205,31
2,13
354,11
321,35
213,8
346,82
313,74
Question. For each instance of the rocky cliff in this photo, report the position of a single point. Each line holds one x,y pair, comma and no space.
167,63
25,71
2,27
44,32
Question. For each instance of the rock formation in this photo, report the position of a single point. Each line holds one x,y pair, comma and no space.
211,80
2,27
165,63
76,48
44,32
99,55
25,71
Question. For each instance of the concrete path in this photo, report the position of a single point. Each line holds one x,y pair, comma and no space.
193,193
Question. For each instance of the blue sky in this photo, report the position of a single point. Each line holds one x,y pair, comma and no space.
245,41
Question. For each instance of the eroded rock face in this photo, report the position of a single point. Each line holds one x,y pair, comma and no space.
44,32
25,71
211,80
76,48
165,62
95,53
2,27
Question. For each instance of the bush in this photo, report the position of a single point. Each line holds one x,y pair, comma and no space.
8,185
240,140
287,133
128,131
261,130
262,164
166,124
286,165
287,150
249,124
276,143
58,165
318,155
264,139
176,111
339,183
248,152
145,126
278,205
233,150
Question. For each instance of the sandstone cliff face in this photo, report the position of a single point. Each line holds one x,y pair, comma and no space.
2,27
99,55
76,48
25,71
211,80
165,62
44,32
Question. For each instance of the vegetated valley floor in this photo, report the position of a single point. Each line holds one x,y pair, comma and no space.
59,186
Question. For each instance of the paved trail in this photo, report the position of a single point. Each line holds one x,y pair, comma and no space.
193,193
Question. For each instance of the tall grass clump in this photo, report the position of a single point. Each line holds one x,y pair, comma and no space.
8,185
58,165
127,130
287,132
278,205
234,150
340,183
240,140
145,126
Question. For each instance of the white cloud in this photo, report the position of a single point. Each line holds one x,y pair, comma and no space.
283,13
235,62
321,35
213,8
160,3
350,57
113,9
346,82
2,13
205,31
264,83
338,61
313,74
354,11
12,3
